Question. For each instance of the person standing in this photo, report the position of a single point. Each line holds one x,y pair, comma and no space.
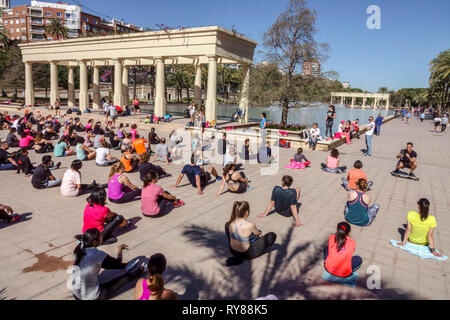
113,113
369,136
444,122
263,127
106,109
58,108
331,115
136,107
378,123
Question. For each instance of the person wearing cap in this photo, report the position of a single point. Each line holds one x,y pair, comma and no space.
341,133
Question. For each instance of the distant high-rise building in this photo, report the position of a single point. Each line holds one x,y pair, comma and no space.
311,69
346,84
27,23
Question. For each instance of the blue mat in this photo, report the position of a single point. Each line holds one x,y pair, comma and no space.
349,281
418,250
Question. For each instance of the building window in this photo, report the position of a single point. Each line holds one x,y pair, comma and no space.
86,19
59,14
95,21
12,30
6,22
17,30
23,12
48,13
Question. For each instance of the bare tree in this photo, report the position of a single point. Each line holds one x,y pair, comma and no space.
289,43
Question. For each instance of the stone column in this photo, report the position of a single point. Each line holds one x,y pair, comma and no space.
125,90
353,101
342,100
118,83
29,88
211,99
84,87
364,102
387,104
71,88
245,90
376,103
54,94
160,88
96,99
198,86
331,100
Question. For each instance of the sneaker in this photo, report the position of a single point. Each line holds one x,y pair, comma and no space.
58,165
412,175
178,204
14,218
218,179
79,237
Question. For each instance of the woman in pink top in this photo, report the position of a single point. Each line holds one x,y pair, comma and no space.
154,200
333,163
152,288
26,141
98,216
133,132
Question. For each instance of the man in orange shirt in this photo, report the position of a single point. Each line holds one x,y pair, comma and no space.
354,175
139,145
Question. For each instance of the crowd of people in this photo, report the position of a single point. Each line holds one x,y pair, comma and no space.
48,135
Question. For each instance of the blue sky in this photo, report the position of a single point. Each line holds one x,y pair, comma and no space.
397,56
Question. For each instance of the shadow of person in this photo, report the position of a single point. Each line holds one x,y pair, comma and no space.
192,290
23,218
131,226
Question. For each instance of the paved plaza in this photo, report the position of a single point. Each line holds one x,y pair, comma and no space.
36,252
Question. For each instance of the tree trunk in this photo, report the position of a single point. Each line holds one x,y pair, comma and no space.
285,112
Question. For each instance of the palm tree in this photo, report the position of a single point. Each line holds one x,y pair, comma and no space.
383,90
56,29
177,78
440,77
4,40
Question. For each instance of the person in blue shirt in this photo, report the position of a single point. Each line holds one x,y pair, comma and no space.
378,123
263,127
197,175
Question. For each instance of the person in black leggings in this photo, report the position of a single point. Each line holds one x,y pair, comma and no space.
331,115
251,246
88,262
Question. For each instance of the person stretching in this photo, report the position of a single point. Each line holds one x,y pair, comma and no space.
62,148
154,200
7,214
421,227
333,163
42,177
408,159
338,256
284,200
87,264
244,238
357,210
237,181
71,183
152,288
120,189
6,160
103,157
353,176
83,152
145,167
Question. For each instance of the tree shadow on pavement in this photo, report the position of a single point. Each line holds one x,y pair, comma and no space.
282,272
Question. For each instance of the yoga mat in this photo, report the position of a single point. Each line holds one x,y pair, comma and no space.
418,250
349,281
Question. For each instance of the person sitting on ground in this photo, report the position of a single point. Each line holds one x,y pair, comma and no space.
245,240
12,139
162,152
7,214
83,152
408,159
127,142
247,151
168,117
71,183
284,200
6,160
197,175
333,163
104,157
24,163
230,157
145,167
338,256
421,227
62,148
153,137
114,141
26,141
42,145
78,126
299,161
357,210
353,176
42,177
87,135
130,161
89,261
120,188
237,181
314,135
139,145
154,200
121,133
152,288
49,133
134,132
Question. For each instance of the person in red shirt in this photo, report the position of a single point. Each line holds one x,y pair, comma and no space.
97,215
353,177
339,259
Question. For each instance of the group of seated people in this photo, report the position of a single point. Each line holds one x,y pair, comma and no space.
348,130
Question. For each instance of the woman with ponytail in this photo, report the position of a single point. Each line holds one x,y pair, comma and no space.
338,256
246,241
98,216
357,210
152,288
237,181
120,188
88,261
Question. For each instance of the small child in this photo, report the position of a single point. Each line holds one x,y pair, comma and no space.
299,161
133,132
333,163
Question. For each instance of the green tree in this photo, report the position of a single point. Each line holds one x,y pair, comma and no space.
178,79
440,78
56,29
383,90
4,40
289,43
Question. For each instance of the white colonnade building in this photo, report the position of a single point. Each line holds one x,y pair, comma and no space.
346,96
196,46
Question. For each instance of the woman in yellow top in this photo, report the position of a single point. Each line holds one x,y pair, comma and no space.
421,227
